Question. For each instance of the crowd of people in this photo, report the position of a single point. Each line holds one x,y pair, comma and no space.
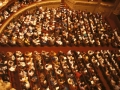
74,70
59,27
14,7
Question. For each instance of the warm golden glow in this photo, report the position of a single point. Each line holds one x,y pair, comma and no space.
0,3
3,3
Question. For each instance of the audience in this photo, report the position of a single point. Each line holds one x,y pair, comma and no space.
14,7
59,27
73,70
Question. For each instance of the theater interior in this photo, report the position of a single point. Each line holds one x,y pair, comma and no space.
59,44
